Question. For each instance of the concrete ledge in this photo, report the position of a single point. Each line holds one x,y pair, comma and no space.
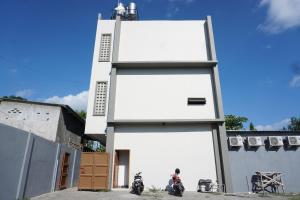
167,121
159,64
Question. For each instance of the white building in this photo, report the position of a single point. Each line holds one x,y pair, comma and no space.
155,101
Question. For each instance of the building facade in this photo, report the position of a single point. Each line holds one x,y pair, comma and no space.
155,102
54,122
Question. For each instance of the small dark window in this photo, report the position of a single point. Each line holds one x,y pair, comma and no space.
196,101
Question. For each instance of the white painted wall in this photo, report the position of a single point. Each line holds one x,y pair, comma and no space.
163,41
163,94
100,72
42,120
157,150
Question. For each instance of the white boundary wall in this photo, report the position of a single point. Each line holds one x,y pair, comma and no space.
157,150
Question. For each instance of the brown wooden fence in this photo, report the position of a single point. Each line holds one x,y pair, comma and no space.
94,168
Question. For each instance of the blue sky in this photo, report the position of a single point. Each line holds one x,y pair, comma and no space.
46,49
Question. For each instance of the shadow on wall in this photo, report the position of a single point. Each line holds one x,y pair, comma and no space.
163,71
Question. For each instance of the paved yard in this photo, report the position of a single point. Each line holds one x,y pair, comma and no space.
73,194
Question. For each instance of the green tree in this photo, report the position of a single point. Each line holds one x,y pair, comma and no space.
294,124
100,148
13,97
90,144
82,114
251,127
233,122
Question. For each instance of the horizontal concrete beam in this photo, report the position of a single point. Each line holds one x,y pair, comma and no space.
167,121
159,64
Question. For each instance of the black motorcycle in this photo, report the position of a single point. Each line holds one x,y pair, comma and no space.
137,185
178,187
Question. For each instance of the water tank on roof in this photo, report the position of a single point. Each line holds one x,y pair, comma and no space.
132,9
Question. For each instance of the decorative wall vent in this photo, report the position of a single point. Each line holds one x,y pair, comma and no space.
100,98
14,111
105,46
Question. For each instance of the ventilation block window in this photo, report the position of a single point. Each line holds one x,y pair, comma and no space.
15,111
100,98
105,46
196,101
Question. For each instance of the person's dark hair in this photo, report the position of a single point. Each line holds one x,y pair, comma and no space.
177,171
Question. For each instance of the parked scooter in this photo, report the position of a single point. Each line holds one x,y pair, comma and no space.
178,187
137,184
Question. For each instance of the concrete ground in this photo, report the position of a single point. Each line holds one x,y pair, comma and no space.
73,194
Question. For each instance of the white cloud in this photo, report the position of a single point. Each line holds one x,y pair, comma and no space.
281,15
24,93
273,127
295,82
76,101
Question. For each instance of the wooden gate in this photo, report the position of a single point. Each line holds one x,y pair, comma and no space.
94,167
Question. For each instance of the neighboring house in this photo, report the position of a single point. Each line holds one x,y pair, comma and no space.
54,122
155,101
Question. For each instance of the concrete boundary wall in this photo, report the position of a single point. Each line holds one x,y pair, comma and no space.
244,161
30,165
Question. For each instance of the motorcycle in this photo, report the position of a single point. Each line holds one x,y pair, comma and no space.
178,187
137,184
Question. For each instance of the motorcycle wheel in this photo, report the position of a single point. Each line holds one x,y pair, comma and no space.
180,193
179,190
138,191
142,188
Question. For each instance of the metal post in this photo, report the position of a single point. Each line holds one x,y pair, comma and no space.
25,167
73,168
53,183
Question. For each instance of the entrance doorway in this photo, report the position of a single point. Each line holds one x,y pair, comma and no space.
121,169
64,171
